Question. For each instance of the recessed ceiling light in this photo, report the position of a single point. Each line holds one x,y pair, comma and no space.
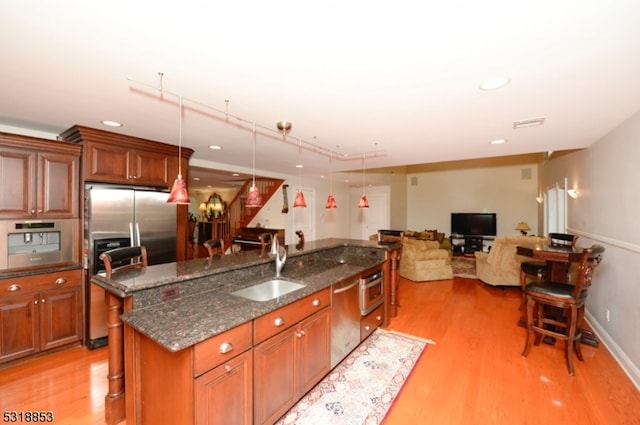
215,147
196,178
495,83
498,141
111,123
235,175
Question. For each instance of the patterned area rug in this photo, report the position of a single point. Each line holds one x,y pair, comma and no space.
361,389
464,266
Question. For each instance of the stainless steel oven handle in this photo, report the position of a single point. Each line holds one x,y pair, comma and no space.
346,288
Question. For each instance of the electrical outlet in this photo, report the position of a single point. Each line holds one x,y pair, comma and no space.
607,317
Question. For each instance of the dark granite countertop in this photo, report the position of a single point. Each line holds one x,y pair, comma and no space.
36,271
206,307
128,282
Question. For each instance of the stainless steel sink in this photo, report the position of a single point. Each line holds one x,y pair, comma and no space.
268,290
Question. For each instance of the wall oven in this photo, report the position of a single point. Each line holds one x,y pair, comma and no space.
371,292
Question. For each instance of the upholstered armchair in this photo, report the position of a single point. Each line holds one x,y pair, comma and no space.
423,260
501,265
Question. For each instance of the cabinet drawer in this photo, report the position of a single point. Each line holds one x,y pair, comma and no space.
39,282
282,318
220,348
371,322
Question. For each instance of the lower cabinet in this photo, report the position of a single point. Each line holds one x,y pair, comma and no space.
224,395
289,364
40,312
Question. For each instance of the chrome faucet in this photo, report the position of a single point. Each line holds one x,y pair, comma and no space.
275,250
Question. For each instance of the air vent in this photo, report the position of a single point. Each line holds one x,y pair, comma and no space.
528,123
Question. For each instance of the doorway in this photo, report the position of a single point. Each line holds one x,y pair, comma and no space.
367,221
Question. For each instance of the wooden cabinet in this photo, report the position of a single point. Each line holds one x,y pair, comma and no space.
122,164
117,158
208,383
294,359
40,178
224,395
40,312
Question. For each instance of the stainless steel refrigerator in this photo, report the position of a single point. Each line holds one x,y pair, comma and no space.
117,217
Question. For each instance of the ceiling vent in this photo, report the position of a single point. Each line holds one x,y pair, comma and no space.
528,123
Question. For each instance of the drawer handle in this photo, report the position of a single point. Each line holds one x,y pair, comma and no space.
279,321
300,334
316,302
228,368
226,347
366,328
61,280
378,318
14,288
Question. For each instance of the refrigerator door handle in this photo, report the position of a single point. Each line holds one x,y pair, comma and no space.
138,242
131,234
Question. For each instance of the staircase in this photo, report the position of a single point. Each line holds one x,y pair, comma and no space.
237,215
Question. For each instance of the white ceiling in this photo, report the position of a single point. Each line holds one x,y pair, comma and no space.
398,79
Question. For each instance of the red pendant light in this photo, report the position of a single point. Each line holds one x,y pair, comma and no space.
254,199
364,203
179,193
299,202
331,201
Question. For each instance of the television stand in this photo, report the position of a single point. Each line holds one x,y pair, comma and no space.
467,245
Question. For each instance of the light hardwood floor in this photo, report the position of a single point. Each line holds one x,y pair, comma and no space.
473,375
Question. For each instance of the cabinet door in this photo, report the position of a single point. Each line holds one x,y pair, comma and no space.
224,395
18,327
274,383
60,317
107,163
58,185
151,168
314,349
18,183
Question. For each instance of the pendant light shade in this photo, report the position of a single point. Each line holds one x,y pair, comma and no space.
179,193
299,202
363,202
363,199
331,202
254,199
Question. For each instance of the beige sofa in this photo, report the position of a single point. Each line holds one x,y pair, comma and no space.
424,260
501,265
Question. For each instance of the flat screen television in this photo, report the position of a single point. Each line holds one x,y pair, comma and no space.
474,224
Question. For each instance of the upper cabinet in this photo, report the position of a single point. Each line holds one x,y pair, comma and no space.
116,158
39,178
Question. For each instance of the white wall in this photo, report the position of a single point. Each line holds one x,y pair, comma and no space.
433,195
606,176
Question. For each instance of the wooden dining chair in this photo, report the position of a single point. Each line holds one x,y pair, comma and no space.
265,241
120,259
214,246
570,298
538,269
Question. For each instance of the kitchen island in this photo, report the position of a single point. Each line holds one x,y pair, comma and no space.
178,308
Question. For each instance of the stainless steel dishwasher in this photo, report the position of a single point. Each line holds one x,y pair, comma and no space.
345,320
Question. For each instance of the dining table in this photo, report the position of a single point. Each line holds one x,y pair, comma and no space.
559,259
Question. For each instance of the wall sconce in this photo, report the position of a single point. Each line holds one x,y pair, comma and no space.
523,227
540,199
573,193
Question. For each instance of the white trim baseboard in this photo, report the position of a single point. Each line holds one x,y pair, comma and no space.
621,358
